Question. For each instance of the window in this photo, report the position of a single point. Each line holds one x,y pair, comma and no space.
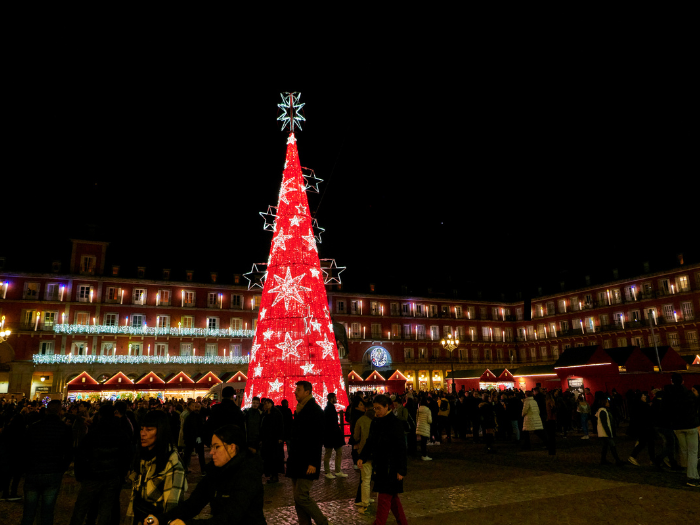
487,354
212,299
475,354
421,331
458,312
408,353
434,332
482,312
522,334
463,354
445,310
519,314
257,299
46,347
634,316
163,321
396,330
79,348
668,312
555,352
629,294
115,270
497,333
394,308
51,292
187,321
189,298
405,309
376,331
407,331
446,330
530,332
236,323
602,298
211,349
619,318
687,309
621,342
82,318
356,330
564,325
650,313
340,307
164,297
692,339
615,295
433,310
589,322
523,354
664,286
533,353
50,319
550,308
111,320
567,346
136,349
543,352
112,294
31,290
108,348
579,345
673,340
84,293
655,339
499,354
137,320
540,331
87,264
354,307
607,343
236,350
588,300
139,296
604,319
185,348
460,333
422,353
575,305
161,349
496,313
485,333
647,289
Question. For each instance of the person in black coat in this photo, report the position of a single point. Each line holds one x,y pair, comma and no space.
225,413
287,419
50,446
271,430
101,462
304,461
641,426
333,439
232,487
385,449
193,432
11,443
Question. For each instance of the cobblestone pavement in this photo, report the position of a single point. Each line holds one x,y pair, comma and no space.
463,484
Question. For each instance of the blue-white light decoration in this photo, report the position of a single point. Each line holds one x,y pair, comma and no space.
311,181
291,108
331,271
378,357
256,276
56,359
151,331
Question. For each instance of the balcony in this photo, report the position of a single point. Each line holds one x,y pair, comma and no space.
55,359
150,331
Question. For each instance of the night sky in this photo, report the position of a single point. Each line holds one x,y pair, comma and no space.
488,186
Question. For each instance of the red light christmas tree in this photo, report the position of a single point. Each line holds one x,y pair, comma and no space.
294,339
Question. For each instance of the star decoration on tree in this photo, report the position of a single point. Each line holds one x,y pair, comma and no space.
316,326
280,240
291,111
331,271
291,139
317,229
270,217
288,289
311,181
286,188
327,346
301,209
289,346
311,240
330,326
262,313
294,221
253,351
268,333
307,368
315,272
275,385
258,371
255,276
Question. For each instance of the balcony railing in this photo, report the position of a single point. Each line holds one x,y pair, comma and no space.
55,359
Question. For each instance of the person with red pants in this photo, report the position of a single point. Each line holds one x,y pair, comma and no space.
385,449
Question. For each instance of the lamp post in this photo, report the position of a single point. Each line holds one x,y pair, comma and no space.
451,345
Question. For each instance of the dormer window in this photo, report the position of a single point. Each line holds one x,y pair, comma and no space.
166,275
87,264
115,270
189,275
56,266
141,272
213,276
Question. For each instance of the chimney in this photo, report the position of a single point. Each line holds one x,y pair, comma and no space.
680,259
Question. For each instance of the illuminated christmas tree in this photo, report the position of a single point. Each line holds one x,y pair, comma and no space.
294,339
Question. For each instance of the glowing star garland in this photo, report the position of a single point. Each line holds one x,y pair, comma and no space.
311,181
280,240
307,368
289,347
270,218
294,221
268,333
288,289
331,271
257,277
311,240
275,385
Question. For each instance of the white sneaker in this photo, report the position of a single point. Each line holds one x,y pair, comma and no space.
341,475
330,476
426,458
429,444
633,461
584,437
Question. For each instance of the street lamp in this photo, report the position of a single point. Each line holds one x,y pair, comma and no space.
4,336
451,345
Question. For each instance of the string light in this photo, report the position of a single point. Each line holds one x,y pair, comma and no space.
54,359
290,116
150,331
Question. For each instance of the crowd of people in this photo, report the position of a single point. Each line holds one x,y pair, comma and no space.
147,445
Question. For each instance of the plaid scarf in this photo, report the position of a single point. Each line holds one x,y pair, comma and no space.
164,489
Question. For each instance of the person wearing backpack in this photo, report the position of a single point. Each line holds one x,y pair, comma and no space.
584,410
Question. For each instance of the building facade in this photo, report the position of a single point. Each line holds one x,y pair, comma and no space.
93,320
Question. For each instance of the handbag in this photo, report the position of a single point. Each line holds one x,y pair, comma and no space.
409,425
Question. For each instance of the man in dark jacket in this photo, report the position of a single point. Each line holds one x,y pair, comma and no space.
101,462
271,430
50,445
193,430
680,404
304,461
253,418
225,413
287,418
333,439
